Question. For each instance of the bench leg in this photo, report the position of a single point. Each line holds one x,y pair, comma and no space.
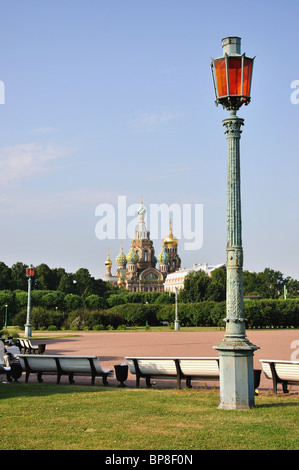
39,377
148,382
285,387
188,382
274,378
71,378
105,381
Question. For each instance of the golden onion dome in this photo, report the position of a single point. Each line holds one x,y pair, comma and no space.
171,239
108,261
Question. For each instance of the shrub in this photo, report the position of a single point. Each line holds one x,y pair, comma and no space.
20,319
72,302
104,317
137,314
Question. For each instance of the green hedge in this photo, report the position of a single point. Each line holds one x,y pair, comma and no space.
272,313
194,314
137,314
40,318
258,313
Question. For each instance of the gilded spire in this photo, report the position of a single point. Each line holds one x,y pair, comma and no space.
108,261
170,240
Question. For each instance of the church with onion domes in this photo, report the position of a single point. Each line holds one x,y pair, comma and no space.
137,270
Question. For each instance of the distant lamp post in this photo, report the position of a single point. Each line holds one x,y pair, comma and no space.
176,320
28,327
5,322
232,75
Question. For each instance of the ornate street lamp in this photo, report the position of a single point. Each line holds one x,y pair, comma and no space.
28,326
5,323
232,75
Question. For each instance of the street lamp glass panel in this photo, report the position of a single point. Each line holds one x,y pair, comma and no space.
29,272
221,82
247,72
234,73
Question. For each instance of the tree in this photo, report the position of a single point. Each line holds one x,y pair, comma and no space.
21,298
57,274
85,284
95,302
6,298
217,287
72,302
271,283
292,288
52,300
67,284
195,286
5,276
251,283
44,277
19,279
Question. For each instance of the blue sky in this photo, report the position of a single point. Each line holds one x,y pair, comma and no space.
115,98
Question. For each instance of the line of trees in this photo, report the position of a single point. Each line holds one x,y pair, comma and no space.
59,292
56,279
268,284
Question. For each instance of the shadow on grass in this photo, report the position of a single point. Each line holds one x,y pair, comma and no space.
276,405
21,389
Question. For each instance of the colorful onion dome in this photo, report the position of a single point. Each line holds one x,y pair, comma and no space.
121,258
132,256
163,257
141,210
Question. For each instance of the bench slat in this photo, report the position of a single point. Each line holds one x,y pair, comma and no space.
284,372
64,365
201,368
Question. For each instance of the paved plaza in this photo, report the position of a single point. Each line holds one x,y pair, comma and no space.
113,346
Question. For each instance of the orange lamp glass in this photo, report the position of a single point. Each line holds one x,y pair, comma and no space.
232,80
29,272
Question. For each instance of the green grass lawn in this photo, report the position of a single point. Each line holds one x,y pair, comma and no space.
69,417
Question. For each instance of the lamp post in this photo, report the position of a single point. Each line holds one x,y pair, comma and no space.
5,323
232,75
28,327
176,320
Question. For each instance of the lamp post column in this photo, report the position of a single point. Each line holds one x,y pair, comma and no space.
28,326
176,321
5,323
235,351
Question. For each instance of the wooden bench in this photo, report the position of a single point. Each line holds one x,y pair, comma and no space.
284,372
188,368
64,365
28,348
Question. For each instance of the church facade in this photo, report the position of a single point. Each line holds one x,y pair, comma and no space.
137,270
